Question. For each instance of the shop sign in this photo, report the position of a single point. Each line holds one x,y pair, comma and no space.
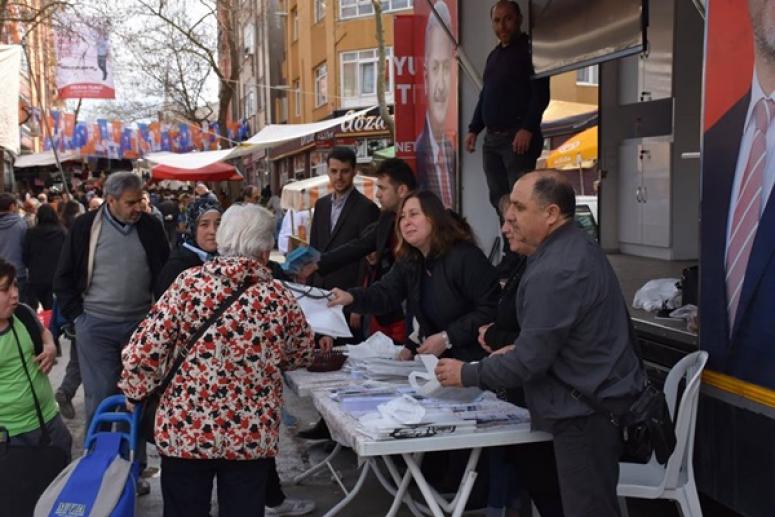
363,124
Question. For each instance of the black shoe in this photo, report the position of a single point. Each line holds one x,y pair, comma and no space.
66,408
143,487
318,432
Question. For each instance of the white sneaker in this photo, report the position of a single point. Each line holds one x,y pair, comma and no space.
290,507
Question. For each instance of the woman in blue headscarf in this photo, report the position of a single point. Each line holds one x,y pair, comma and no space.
202,219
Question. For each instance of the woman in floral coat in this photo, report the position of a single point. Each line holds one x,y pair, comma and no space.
220,415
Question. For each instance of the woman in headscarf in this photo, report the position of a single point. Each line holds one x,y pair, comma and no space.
202,220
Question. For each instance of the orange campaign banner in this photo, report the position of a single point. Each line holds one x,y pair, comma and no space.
737,230
426,96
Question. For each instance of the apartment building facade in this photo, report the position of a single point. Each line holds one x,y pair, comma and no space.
37,93
330,68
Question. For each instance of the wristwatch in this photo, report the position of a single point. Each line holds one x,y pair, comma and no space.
447,343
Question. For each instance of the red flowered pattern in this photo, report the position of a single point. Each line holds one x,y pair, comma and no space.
225,400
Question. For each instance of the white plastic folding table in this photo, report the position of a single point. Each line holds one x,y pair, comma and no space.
344,430
303,383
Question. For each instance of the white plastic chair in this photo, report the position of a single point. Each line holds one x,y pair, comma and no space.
676,479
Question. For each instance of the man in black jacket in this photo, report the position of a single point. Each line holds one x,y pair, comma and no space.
394,181
510,105
104,281
339,218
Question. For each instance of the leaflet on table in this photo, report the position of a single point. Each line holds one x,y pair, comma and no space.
329,321
382,368
433,423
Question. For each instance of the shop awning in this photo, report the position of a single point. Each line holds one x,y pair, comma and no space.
271,135
302,195
212,172
45,158
564,117
578,152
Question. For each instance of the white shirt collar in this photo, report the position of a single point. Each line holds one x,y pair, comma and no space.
756,95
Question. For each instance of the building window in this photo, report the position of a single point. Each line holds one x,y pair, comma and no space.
249,100
248,38
359,77
355,8
297,97
320,10
294,24
321,85
299,164
588,76
318,163
284,110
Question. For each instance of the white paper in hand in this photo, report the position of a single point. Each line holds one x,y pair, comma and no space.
426,384
329,321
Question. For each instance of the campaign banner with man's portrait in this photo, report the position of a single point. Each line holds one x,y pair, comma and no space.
737,259
426,96
84,67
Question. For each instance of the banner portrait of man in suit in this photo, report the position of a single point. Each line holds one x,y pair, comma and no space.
436,153
737,269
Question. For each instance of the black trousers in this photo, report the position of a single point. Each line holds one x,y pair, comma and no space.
43,294
503,167
587,451
187,485
537,470
274,490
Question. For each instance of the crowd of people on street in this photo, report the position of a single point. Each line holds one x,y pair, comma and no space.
137,278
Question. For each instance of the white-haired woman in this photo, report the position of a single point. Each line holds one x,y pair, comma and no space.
220,415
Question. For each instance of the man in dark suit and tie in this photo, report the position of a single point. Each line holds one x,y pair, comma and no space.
737,305
340,217
436,156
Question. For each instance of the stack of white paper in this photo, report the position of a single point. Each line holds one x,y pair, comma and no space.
377,345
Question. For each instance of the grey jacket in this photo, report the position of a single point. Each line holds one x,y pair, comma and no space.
12,232
574,323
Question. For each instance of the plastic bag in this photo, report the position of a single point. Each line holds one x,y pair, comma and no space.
658,294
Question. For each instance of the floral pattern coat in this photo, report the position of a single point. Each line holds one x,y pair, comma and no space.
224,402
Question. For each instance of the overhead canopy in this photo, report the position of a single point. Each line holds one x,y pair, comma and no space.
212,172
564,117
578,152
271,135
302,195
45,158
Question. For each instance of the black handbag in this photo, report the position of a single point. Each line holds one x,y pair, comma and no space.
26,471
646,426
151,402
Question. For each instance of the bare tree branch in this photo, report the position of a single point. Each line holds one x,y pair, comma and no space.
383,109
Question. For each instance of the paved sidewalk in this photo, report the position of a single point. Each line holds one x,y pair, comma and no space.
295,457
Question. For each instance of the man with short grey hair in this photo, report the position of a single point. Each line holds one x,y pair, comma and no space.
110,261
574,344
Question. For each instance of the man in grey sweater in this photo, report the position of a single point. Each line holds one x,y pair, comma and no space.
108,266
574,333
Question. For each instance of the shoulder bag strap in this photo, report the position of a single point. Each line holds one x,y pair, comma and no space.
195,337
590,400
45,438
